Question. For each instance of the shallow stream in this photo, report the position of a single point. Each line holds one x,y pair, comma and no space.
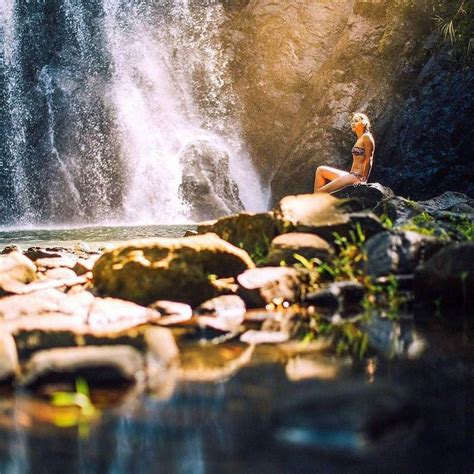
231,408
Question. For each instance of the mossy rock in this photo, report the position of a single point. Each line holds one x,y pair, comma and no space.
251,231
181,269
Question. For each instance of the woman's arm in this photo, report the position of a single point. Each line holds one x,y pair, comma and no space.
369,147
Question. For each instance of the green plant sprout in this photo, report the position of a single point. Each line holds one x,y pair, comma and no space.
80,399
386,221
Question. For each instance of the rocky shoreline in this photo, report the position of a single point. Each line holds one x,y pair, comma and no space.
343,274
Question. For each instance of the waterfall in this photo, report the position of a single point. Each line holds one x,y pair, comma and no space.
14,114
104,100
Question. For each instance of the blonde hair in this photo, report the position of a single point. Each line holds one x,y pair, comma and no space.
364,119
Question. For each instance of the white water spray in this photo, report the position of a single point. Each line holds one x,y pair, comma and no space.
17,110
126,90
154,89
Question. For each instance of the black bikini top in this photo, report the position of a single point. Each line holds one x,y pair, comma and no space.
358,151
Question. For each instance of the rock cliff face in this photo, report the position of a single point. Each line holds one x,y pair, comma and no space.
303,67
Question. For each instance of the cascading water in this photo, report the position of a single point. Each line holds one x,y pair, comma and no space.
107,107
14,191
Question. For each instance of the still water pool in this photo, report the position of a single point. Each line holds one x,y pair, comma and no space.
95,236
235,408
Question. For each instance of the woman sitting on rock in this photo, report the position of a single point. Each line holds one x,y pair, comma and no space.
328,180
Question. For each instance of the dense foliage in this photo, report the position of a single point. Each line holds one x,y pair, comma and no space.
453,19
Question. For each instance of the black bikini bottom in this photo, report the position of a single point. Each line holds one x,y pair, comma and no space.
357,175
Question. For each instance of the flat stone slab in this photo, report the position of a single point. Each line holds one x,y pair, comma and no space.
53,319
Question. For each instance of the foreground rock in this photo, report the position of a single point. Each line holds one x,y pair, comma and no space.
261,286
399,252
324,215
173,269
15,267
284,247
250,231
49,319
448,276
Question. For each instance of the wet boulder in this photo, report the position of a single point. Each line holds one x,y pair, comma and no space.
85,265
172,313
250,231
181,269
261,286
399,252
15,267
370,195
448,276
323,215
285,246
207,187
34,253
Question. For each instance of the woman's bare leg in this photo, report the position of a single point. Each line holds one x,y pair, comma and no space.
325,174
339,183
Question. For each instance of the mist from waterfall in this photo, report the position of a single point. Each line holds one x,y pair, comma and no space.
101,97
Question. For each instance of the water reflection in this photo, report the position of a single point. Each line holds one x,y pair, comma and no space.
237,408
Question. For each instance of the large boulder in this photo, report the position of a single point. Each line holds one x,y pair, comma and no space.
448,275
207,187
250,231
450,201
398,209
285,246
181,269
399,252
325,215
369,195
